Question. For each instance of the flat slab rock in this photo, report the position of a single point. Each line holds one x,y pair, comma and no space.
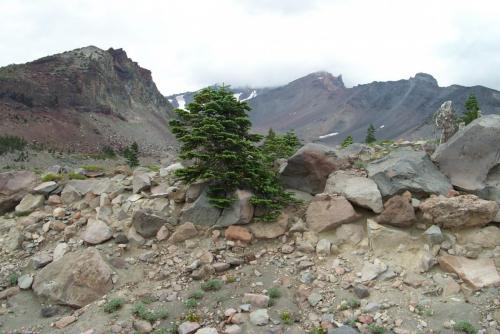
327,212
478,273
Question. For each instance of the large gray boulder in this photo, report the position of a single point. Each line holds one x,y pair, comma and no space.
200,212
77,279
358,190
147,223
13,187
240,212
309,168
406,169
471,158
29,203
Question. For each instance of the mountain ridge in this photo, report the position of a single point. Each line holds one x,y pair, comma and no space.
84,99
319,107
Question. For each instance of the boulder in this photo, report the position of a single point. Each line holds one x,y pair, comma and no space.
76,280
170,170
358,190
96,232
458,212
383,239
200,212
327,212
238,233
469,160
309,168
398,211
45,188
478,273
270,230
147,223
486,237
184,232
240,211
29,203
350,234
406,169
140,181
13,187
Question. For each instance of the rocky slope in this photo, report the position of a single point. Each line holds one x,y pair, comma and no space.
84,99
320,108
391,248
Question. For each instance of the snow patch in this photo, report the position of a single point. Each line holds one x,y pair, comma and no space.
382,126
180,101
251,96
170,100
328,135
237,96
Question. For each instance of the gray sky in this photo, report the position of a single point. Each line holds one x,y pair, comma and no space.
188,44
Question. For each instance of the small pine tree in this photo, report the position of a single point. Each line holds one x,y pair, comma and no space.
348,141
370,135
277,146
214,133
472,109
131,154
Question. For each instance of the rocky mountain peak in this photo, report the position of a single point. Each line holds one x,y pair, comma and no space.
79,87
424,77
320,79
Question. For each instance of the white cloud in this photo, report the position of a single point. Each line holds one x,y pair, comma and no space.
188,44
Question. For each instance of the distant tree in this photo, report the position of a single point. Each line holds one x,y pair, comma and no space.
472,110
347,141
276,146
370,135
214,133
131,154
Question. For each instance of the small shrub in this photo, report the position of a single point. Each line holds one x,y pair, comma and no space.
76,176
212,285
154,168
113,305
423,310
359,164
465,327
93,168
317,330
193,317
349,304
191,303
13,279
287,318
370,135
144,313
375,329
274,293
198,294
230,279
51,177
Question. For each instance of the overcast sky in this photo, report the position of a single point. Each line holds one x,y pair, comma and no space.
188,44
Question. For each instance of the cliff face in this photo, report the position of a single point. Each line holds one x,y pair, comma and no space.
84,99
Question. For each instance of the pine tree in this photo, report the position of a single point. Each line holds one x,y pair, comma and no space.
347,141
277,146
131,154
214,132
370,135
472,109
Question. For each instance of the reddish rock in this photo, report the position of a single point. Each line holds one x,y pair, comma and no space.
398,211
238,233
478,273
327,212
460,211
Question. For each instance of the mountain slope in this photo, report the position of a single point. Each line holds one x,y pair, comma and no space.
82,100
320,108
